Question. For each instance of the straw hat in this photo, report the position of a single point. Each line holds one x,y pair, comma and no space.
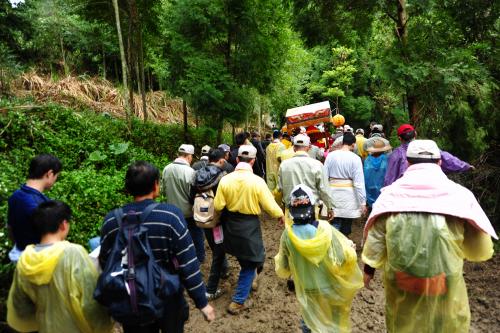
378,146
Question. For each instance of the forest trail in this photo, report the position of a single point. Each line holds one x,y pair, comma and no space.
275,309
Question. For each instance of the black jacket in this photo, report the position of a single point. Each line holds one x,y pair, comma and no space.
207,178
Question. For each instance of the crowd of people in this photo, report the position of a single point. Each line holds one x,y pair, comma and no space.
420,227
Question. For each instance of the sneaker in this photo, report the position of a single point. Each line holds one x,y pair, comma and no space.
217,294
235,308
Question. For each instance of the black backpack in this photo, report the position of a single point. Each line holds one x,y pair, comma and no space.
133,287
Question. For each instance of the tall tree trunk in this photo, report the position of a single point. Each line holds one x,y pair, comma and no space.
233,132
117,72
131,63
136,38
259,113
150,80
124,64
103,63
412,109
402,31
185,113
402,20
142,76
137,75
63,56
220,127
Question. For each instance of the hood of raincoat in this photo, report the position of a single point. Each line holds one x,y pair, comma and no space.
437,195
208,177
38,266
376,162
313,249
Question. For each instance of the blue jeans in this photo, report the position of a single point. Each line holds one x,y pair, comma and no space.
245,279
198,239
343,225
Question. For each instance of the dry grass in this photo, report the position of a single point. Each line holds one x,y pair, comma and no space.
100,95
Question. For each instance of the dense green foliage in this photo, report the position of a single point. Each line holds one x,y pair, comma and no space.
95,151
434,63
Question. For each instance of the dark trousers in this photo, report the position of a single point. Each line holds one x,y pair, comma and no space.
343,225
219,262
176,314
198,239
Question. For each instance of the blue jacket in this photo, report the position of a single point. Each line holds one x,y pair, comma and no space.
375,168
22,203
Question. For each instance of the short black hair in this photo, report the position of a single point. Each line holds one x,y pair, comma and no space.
276,134
245,159
49,215
141,178
348,138
43,163
407,136
413,160
215,155
240,138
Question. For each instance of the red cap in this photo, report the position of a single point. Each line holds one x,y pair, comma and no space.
405,128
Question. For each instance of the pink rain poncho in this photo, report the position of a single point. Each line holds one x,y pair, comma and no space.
421,229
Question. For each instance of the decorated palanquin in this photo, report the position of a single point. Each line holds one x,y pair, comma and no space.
310,118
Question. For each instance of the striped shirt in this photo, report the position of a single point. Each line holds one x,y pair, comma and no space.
170,243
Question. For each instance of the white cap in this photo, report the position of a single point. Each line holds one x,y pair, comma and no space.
360,131
347,128
301,140
247,151
423,149
224,147
205,149
378,127
186,149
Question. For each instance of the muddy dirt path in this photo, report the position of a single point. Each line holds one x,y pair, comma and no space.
275,309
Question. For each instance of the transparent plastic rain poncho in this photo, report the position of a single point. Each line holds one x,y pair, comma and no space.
422,257
273,151
52,291
326,275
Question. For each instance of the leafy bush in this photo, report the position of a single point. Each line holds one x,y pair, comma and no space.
95,151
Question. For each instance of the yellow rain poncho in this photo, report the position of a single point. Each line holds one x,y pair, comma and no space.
422,256
286,154
273,151
324,268
52,292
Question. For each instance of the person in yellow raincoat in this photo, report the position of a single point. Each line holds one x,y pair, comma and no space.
421,229
323,265
54,281
273,151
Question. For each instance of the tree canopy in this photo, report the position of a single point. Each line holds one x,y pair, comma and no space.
432,63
